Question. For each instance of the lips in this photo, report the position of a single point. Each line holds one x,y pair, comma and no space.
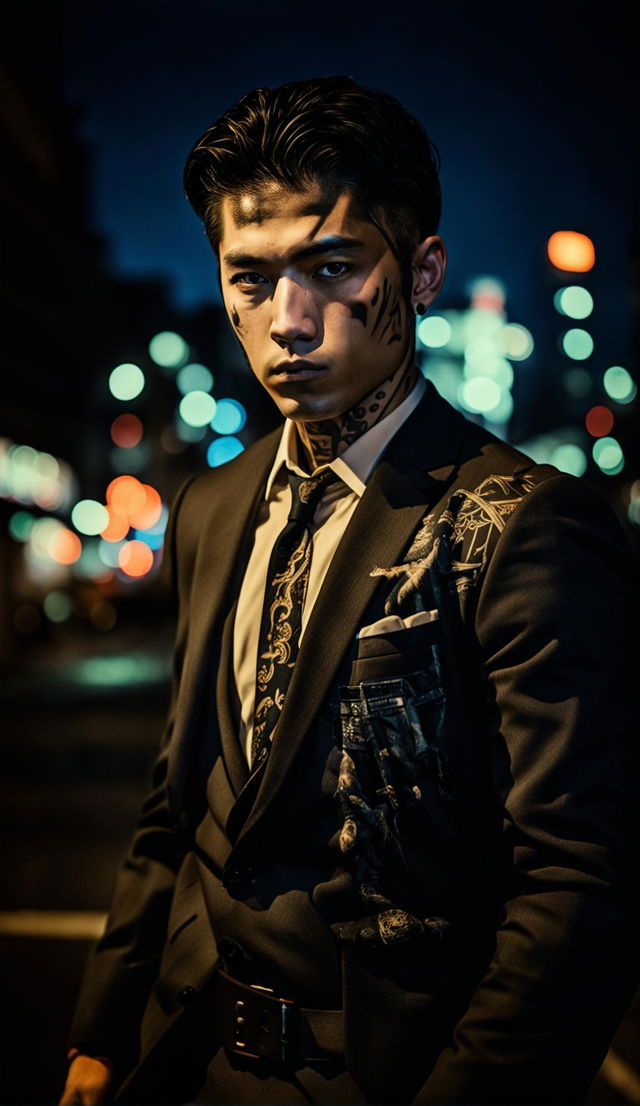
296,371
295,366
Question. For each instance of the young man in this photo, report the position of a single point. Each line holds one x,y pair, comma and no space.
387,855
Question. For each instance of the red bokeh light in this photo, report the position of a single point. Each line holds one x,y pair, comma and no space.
126,431
599,421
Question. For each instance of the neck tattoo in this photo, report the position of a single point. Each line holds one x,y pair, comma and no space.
326,440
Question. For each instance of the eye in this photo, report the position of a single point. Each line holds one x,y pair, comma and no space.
333,269
250,280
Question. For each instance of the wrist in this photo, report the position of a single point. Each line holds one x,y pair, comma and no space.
73,1053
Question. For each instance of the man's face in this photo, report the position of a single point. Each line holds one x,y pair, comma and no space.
314,298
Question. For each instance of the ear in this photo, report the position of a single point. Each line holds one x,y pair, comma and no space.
428,269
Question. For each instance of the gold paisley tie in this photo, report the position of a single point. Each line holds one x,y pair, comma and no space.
287,579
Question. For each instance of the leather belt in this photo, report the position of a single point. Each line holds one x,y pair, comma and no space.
254,1022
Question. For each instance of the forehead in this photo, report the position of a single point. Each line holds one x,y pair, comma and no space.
277,220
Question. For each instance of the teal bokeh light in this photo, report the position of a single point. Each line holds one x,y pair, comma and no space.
230,417
574,301
194,378
619,384
222,450
608,455
168,349
577,344
126,381
197,408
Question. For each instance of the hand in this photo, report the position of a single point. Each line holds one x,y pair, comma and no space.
88,1082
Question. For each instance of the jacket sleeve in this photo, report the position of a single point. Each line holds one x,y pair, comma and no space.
123,966
557,624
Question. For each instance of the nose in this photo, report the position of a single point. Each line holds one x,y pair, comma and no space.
293,317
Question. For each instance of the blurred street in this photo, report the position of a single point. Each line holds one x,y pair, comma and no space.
79,736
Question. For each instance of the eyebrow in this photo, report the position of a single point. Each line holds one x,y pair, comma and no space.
330,244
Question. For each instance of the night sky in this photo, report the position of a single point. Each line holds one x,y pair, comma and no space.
531,104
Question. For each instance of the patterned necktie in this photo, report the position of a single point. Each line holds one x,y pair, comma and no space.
287,579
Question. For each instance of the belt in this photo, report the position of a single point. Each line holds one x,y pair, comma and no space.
254,1022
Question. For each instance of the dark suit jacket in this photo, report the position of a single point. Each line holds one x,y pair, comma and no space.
443,839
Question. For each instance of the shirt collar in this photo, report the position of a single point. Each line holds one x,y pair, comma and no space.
356,464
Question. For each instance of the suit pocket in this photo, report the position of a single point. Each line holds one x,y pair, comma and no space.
399,653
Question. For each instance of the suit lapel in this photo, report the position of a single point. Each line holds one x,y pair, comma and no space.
232,751
224,545
396,499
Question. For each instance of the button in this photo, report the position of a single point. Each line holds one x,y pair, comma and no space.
232,874
186,995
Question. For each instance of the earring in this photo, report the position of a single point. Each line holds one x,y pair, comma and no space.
419,309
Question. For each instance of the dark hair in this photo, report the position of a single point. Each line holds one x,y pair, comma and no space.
328,130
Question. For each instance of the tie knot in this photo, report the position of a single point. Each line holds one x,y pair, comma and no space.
306,493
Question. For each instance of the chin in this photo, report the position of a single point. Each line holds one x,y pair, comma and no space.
308,408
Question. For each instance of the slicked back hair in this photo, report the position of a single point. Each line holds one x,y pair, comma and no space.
327,131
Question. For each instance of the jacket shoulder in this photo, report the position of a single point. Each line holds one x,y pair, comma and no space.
205,489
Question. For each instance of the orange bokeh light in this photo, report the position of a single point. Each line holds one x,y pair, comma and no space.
599,421
126,495
126,431
117,527
65,547
148,515
571,251
135,558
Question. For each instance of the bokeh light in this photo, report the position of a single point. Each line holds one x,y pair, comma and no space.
135,558
574,301
168,349
577,382
189,434
194,378
569,458
65,547
434,331
503,410
126,382
117,528
57,606
577,344
571,251
222,450
230,417
126,431
487,293
489,364
197,408
43,533
89,517
619,384
608,455
516,341
90,565
480,394
126,495
599,421
147,515
109,552
21,525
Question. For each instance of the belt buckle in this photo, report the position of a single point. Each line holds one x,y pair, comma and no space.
265,1027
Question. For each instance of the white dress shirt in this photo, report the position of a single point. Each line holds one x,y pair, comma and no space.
332,516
